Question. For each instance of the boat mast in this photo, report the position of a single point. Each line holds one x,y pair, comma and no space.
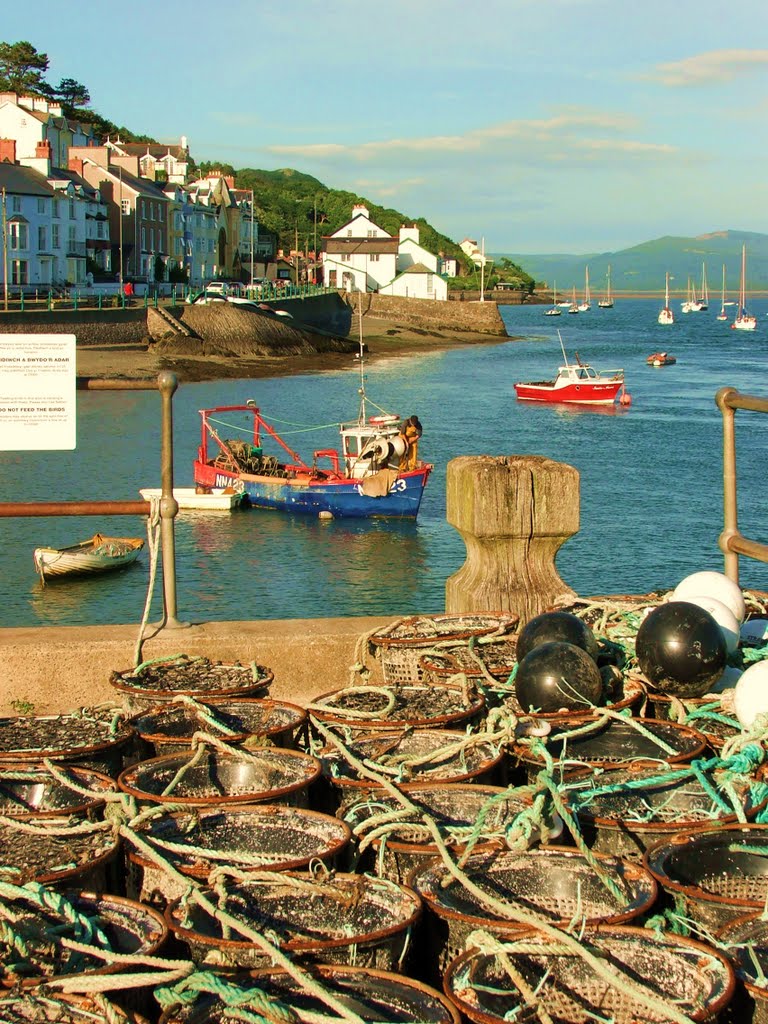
562,346
361,389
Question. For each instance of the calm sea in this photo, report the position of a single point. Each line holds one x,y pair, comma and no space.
651,475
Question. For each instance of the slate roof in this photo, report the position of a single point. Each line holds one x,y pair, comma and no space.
351,246
24,181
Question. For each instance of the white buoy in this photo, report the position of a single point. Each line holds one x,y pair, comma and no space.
750,697
325,514
723,616
712,584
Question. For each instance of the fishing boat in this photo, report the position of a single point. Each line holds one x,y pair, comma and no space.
722,315
376,474
96,555
585,306
743,321
666,316
607,300
660,359
577,383
555,310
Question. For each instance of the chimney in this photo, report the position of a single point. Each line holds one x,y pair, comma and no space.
43,150
7,151
76,165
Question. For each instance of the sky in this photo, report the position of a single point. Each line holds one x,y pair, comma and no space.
536,126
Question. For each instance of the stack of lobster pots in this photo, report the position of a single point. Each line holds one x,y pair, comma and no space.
557,820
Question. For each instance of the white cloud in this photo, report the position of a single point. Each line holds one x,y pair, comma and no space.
715,66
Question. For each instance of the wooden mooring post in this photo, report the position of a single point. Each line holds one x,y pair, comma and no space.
513,512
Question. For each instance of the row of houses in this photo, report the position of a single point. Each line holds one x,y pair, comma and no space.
77,208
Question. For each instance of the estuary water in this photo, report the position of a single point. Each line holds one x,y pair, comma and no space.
651,475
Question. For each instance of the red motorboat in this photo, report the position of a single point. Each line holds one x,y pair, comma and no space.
576,382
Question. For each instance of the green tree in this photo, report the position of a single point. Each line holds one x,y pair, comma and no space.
72,94
22,68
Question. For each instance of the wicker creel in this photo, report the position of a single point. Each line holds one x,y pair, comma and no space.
395,706
156,682
745,942
400,646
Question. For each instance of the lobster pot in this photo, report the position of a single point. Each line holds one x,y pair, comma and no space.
58,853
478,659
666,968
157,682
377,996
714,877
460,811
32,792
169,728
703,713
553,883
270,837
91,738
621,692
105,923
213,778
745,942
395,706
58,1008
610,742
624,811
400,646
409,758
342,919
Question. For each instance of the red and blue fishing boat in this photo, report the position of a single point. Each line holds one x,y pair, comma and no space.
374,475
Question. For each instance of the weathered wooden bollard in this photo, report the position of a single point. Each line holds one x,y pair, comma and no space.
513,512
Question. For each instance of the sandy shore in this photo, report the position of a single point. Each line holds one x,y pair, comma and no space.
383,339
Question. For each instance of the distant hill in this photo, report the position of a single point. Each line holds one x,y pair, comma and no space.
642,267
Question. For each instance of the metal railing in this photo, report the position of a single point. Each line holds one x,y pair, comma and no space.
167,383
732,542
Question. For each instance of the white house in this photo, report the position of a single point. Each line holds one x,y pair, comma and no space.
30,120
469,246
157,161
409,252
33,250
418,282
360,256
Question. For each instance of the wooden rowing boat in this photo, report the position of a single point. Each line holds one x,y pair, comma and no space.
96,555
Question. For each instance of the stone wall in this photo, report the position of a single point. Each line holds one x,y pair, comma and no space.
475,317
90,326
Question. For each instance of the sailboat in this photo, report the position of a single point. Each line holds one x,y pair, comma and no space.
585,305
666,316
743,321
554,311
722,315
704,300
607,301
574,306
692,303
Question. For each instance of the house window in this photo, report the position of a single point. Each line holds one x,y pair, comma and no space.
346,258
125,206
55,236
54,207
430,284
19,272
143,238
374,257
19,235
349,232
71,240
40,205
41,237
71,209
151,239
100,229
371,234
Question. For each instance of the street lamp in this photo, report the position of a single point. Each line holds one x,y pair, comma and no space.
251,241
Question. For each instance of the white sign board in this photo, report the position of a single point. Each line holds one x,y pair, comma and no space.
37,392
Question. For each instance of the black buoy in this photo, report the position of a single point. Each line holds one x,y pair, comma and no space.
558,676
562,627
681,649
